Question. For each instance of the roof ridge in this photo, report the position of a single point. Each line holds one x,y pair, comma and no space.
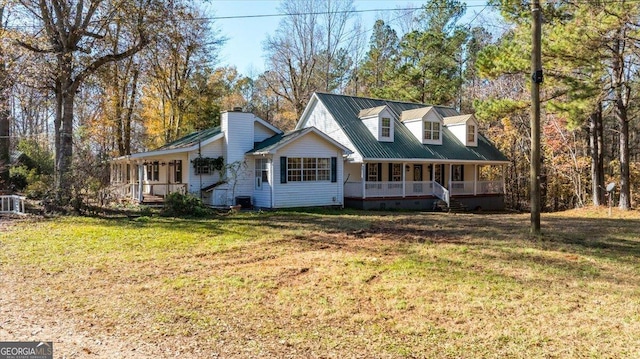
384,99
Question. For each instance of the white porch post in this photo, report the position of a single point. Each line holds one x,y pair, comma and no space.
404,180
450,175
140,177
475,180
504,183
363,174
433,177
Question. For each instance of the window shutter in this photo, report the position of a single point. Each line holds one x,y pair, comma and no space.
366,172
283,170
334,169
390,172
461,172
379,171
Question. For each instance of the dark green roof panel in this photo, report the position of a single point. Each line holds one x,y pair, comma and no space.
275,140
192,139
345,110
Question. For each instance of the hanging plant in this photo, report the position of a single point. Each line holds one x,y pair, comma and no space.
208,163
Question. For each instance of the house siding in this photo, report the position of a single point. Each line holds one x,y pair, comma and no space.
320,118
164,175
416,128
239,130
212,150
261,132
304,194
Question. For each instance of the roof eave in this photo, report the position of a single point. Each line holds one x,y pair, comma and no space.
177,150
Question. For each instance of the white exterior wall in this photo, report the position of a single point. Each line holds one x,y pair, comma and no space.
415,126
372,125
261,132
239,135
460,131
320,118
214,149
305,194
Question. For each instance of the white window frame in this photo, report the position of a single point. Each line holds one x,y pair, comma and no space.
372,172
385,128
428,128
396,175
309,169
471,133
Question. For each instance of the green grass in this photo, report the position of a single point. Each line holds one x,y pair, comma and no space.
343,283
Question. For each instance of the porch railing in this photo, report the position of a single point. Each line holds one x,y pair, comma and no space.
388,189
490,187
421,188
12,204
441,192
132,190
163,189
461,187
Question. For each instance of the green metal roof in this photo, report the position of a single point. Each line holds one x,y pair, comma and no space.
191,139
345,110
275,140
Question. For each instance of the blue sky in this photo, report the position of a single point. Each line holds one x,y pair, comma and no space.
245,36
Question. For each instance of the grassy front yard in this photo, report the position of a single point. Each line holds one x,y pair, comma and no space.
338,283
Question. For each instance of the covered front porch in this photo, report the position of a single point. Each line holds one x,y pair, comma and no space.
146,181
420,185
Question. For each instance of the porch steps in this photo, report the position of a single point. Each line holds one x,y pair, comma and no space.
150,199
455,206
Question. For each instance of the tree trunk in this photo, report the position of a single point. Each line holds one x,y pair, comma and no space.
621,99
600,131
597,175
4,126
65,149
127,120
4,118
64,129
625,190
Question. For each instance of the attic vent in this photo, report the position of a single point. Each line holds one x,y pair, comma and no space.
237,109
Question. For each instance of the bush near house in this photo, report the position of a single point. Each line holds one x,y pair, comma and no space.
184,205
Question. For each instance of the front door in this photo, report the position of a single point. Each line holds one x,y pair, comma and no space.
417,180
438,174
417,173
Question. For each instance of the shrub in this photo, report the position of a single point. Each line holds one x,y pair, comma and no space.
178,204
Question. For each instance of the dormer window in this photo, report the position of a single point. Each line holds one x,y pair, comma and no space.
431,131
385,127
379,121
425,123
471,133
464,128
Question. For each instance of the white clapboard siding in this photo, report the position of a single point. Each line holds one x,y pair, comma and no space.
211,150
460,131
241,130
320,118
416,127
261,132
302,194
